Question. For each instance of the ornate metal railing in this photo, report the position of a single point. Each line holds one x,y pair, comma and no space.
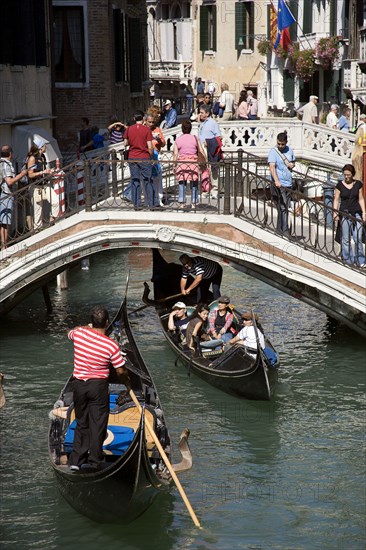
103,183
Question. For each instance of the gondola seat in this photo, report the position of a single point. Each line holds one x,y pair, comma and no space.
118,439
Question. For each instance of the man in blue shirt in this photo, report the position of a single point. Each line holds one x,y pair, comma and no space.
170,117
209,129
281,161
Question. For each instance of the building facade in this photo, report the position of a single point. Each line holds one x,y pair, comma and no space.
25,66
100,63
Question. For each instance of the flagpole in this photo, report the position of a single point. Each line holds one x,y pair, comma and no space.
297,23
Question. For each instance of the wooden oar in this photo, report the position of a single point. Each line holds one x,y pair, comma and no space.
161,301
167,462
2,394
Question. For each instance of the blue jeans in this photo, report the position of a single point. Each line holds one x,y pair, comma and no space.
182,191
141,170
352,253
282,197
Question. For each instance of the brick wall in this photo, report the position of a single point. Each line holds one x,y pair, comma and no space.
103,98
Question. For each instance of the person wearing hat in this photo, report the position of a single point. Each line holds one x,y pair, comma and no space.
310,110
248,336
178,319
170,115
332,119
220,320
45,201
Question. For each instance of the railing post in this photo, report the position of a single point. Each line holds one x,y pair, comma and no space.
87,187
239,175
114,172
227,167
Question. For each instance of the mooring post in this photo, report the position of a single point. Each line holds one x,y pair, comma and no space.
47,299
87,184
114,173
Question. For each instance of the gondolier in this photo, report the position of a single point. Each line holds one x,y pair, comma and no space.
205,273
93,353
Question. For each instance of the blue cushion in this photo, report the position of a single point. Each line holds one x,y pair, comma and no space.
271,356
123,437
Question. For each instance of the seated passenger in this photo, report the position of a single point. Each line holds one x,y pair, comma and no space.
247,335
196,330
178,319
221,320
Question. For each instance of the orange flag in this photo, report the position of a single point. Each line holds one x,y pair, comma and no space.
273,24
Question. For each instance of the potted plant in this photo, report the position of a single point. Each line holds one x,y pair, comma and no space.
327,51
264,47
303,61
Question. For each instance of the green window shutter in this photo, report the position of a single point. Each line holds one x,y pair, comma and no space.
203,28
251,25
214,28
240,31
268,21
307,23
288,86
294,8
333,17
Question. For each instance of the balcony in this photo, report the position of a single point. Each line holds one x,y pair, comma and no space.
362,60
170,70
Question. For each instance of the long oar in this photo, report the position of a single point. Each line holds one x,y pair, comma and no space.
161,301
167,462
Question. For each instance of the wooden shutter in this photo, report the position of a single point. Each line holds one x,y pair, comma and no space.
240,28
118,45
250,14
135,55
214,28
333,18
294,8
203,28
288,86
307,23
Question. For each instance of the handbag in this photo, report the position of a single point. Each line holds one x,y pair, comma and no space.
202,161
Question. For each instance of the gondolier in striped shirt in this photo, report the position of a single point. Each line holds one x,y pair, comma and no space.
94,352
205,273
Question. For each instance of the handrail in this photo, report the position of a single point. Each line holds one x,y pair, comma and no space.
102,183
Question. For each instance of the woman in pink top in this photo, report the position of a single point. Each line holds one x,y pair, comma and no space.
185,152
243,110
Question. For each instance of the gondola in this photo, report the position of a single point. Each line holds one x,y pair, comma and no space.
133,473
235,370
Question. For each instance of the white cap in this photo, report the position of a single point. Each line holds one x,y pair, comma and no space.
334,106
167,102
363,116
313,97
179,305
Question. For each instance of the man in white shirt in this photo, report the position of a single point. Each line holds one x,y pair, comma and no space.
226,102
310,111
332,119
249,335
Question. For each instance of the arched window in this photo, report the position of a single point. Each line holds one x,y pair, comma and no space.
186,10
176,12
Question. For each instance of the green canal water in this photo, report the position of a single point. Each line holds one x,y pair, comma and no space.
288,474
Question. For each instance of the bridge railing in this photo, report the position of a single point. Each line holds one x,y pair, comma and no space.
104,184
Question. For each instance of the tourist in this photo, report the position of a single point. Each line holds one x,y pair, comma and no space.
46,203
178,319
349,199
332,120
116,130
158,143
208,129
200,86
281,161
249,335
139,139
205,272
170,116
252,104
196,329
242,112
189,96
94,352
85,135
344,123
226,102
185,157
7,180
221,320
310,111
357,153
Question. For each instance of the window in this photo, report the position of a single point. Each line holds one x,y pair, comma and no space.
207,28
288,86
136,55
176,12
165,11
244,26
69,44
23,33
186,8
307,23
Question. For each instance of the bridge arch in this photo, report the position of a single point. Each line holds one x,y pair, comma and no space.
231,241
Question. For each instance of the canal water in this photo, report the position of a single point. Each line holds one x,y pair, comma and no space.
288,474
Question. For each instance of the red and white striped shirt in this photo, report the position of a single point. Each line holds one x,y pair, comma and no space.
93,353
